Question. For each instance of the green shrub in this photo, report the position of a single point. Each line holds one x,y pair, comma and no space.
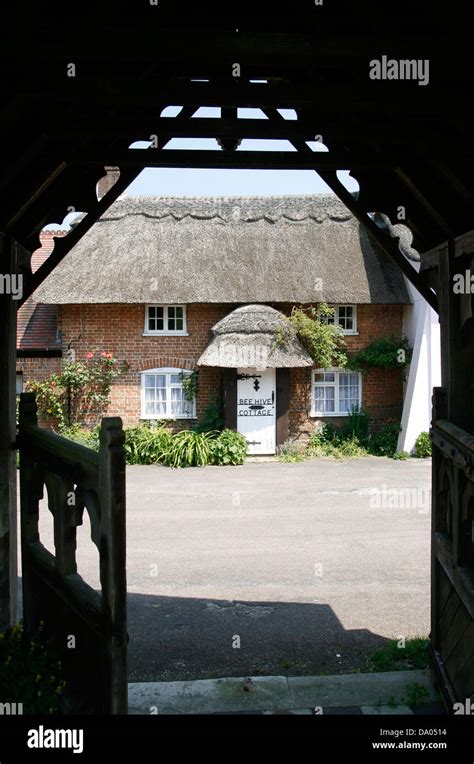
384,443
324,341
394,657
30,672
212,417
229,448
356,425
88,438
190,449
401,455
329,442
147,444
423,445
289,451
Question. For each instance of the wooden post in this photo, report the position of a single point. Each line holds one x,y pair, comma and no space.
283,396
439,411
8,512
113,557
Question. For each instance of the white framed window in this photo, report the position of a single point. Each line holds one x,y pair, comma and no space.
165,319
335,392
345,316
163,395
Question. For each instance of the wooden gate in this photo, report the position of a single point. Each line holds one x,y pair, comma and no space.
452,434
87,628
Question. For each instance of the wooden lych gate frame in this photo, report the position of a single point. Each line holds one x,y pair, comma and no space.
411,150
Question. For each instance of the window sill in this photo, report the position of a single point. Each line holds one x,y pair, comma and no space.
350,334
166,418
323,416
165,334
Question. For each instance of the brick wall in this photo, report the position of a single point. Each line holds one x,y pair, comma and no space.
382,390
119,329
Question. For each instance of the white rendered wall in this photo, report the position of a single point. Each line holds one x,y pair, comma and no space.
422,329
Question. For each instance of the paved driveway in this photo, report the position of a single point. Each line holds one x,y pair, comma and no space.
272,568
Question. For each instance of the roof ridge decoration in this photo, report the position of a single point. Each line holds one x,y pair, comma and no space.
232,209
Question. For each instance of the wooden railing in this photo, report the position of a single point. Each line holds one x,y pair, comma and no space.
87,627
452,605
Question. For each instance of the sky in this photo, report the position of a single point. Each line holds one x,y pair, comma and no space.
199,182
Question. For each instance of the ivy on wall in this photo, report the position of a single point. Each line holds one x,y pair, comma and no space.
392,352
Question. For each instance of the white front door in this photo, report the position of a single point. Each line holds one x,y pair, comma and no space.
256,407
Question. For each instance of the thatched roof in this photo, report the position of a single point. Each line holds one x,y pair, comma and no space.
248,338
225,249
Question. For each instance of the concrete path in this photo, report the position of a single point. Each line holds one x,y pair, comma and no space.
271,568
395,692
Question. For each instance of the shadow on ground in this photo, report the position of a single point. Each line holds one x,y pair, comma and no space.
174,638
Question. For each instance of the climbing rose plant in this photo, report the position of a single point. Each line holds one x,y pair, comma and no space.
81,388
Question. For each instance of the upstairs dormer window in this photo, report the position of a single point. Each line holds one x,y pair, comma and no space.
167,320
345,316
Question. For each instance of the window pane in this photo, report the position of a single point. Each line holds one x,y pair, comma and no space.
160,405
175,379
177,396
171,313
324,399
346,317
179,312
155,318
150,408
349,388
329,377
179,324
171,325
319,377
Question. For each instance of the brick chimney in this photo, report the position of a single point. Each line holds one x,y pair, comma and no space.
107,181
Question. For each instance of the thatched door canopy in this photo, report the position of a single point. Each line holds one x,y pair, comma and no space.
248,338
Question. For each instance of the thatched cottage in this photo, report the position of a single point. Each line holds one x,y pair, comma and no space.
172,285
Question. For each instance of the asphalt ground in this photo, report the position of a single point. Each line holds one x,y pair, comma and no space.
270,568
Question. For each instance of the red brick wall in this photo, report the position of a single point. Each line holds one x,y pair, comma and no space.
119,329
38,369
382,390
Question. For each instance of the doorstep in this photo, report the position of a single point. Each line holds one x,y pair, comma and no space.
268,458
381,693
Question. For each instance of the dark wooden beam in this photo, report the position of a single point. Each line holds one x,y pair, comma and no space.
9,252
232,92
250,160
64,245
